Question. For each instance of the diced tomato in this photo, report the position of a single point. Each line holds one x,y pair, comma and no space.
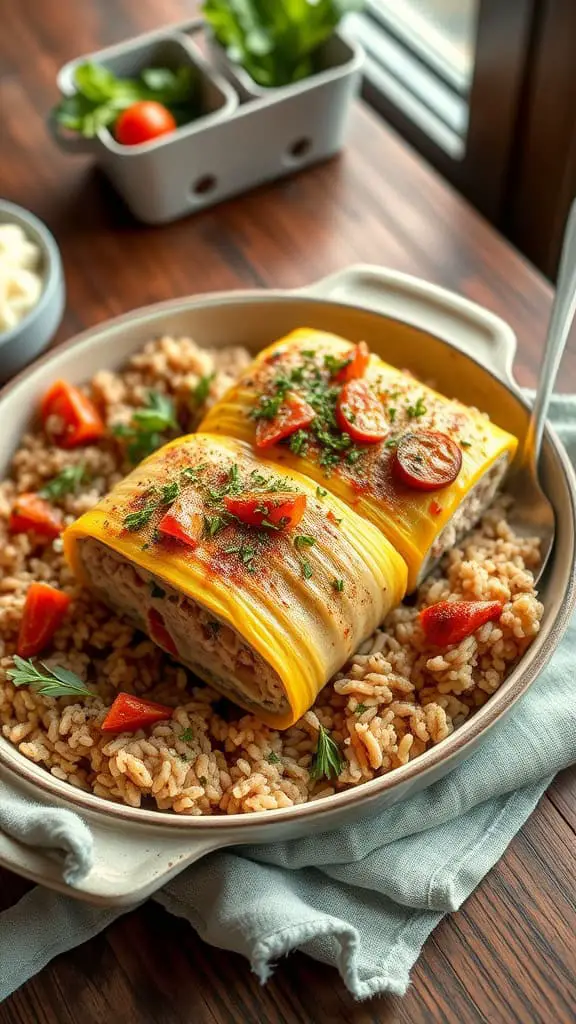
360,414
44,610
81,421
183,526
129,713
281,509
31,514
434,508
159,633
294,414
449,622
427,460
357,364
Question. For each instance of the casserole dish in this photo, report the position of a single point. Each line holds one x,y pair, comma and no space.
468,352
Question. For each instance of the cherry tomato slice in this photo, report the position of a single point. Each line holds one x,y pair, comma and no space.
129,713
294,414
449,622
80,419
142,122
281,509
357,363
44,610
427,460
31,514
360,414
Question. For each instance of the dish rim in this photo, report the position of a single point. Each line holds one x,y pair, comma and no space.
468,734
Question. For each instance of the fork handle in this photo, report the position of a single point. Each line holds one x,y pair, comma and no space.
563,310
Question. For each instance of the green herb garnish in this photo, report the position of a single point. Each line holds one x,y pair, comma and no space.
169,493
303,541
307,570
136,520
187,735
66,482
392,414
299,442
202,390
416,410
52,682
213,524
328,760
273,758
321,492
466,444
338,585
144,434
360,709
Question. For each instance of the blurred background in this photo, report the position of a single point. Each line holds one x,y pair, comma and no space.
486,91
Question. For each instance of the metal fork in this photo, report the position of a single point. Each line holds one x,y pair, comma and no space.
532,513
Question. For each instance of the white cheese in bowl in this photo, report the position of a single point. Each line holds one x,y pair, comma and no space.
20,280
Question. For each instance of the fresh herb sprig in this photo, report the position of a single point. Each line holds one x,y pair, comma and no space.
328,761
67,481
53,681
146,430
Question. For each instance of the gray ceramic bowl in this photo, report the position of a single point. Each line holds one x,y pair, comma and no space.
20,345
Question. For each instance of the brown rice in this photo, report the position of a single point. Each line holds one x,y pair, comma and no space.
394,699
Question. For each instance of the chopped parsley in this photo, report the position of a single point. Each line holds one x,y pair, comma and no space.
334,365
202,390
136,520
142,516
391,414
169,493
67,481
213,524
187,736
307,570
302,540
299,442
338,585
416,410
321,492
273,758
191,473
360,709
466,444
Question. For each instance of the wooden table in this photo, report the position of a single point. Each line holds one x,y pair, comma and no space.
509,954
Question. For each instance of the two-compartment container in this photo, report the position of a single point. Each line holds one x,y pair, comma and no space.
243,136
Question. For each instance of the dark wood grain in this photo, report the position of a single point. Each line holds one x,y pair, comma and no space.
508,955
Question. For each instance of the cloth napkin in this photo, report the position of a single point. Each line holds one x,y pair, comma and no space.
364,898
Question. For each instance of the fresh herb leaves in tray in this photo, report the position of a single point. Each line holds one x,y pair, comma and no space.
100,96
276,43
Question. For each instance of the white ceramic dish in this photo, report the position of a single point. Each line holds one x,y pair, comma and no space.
469,352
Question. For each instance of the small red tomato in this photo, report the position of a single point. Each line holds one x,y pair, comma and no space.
294,414
159,633
129,713
142,122
427,461
357,364
360,414
449,622
281,509
31,514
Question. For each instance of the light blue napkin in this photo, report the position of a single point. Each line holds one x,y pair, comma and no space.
364,898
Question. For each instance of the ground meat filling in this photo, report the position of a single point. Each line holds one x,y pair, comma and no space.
206,645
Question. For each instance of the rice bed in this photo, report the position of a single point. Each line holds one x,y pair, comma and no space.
395,699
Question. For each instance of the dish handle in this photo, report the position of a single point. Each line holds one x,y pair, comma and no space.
131,861
468,327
